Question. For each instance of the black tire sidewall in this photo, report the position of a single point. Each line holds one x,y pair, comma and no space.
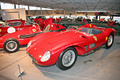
6,41
106,45
59,60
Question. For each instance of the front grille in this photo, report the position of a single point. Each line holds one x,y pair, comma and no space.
31,57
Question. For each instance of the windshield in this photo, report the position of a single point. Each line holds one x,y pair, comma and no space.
92,31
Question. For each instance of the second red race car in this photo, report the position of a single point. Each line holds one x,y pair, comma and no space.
11,42
11,26
62,48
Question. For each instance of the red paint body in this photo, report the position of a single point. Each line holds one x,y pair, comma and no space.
56,42
110,23
31,30
57,20
81,21
21,26
48,21
84,20
43,23
102,19
16,35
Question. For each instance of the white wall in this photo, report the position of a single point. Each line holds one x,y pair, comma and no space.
10,14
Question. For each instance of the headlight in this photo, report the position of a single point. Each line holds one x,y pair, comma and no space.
29,44
46,56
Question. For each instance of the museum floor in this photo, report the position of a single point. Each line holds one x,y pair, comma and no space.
104,64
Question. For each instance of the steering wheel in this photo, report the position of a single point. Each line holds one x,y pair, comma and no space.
74,27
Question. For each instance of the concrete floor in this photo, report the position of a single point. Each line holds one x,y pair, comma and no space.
104,64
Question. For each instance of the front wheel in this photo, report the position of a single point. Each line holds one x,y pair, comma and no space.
110,41
67,58
11,45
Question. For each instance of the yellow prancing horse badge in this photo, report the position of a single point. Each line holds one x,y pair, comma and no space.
0,30
95,38
90,25
34,30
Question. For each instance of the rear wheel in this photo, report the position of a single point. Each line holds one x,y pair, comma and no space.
11,45
110,41
67,58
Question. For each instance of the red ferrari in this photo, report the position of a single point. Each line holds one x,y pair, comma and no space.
11,42
12,26
61,48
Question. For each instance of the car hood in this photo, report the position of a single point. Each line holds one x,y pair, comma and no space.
51,41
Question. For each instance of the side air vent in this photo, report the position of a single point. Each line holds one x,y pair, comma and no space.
85,47
28,35
92,45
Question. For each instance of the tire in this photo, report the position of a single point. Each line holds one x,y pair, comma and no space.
67,58
11,45
110,41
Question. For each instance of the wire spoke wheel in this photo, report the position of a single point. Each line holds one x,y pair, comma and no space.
110,40
11,45
68,58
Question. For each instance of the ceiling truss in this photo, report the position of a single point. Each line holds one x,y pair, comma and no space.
73,5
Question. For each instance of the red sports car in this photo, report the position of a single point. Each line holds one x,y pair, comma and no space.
11,42
12,26
62,48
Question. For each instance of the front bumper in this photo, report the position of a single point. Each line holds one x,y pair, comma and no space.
32,58
47,63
